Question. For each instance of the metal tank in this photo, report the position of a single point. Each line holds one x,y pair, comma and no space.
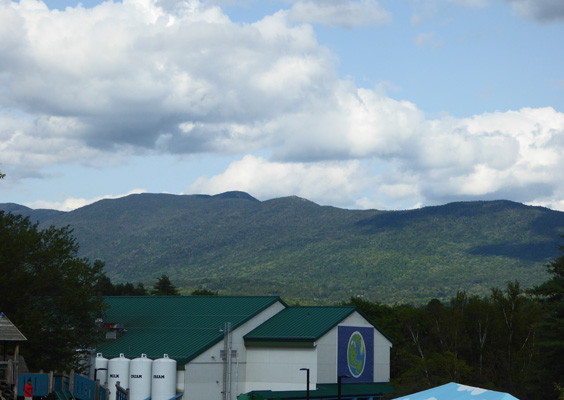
163,379
118,371
101,369
140,378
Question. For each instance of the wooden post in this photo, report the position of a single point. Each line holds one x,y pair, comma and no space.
10,372
16,369
71,381
96,389
50,383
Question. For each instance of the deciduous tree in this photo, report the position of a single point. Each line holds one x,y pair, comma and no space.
48,292
551,296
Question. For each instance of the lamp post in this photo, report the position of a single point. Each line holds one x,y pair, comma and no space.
339,385
307,382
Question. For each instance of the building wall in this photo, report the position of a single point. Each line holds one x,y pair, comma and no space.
203,376
276,368
279,368
327,349
382,348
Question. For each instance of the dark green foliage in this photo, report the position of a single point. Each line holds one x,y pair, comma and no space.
514,334
485,341
305,252
105,287
203,292
383,315
550,294
48,292
164,287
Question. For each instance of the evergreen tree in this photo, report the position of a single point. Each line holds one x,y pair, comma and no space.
105,287
164,287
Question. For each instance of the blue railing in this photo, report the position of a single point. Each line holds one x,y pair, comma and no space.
61,383
82,387
40,383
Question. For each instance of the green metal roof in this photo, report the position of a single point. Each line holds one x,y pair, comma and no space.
324,391
180,326
299,324
302,324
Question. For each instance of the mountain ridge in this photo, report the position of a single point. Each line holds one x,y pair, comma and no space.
312,253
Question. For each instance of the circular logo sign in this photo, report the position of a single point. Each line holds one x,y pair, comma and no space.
356,354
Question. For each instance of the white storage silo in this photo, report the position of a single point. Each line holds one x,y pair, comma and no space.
164,379
140,378
118,371
101,369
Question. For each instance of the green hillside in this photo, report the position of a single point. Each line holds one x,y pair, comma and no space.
303,251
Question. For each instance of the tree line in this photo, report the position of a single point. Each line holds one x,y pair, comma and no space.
162,287
511,340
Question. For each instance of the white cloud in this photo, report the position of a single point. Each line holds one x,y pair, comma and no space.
340,13
69,203
331,182
93,86
544,11
515,155
427,39
540,10
131,75
512,154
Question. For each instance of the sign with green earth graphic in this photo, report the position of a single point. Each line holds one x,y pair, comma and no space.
356,353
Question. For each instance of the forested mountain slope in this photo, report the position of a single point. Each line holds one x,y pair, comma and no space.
303,251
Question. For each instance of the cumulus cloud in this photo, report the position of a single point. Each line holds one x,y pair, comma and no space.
69,203
135,74
340,13
543,11
94,86
330,182
540,10
512,155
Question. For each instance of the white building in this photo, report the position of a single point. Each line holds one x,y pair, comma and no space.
227,346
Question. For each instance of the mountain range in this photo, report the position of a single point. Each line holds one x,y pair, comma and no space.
309,253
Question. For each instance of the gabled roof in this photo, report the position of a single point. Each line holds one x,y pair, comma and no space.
180,326
300,324
8,331
456,391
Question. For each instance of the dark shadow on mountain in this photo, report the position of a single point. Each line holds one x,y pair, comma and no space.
535,252
388,220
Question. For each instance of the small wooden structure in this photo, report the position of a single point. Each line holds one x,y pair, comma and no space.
9,334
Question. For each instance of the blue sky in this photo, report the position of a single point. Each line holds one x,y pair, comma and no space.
389,104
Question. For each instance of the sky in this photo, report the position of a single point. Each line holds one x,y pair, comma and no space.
365,104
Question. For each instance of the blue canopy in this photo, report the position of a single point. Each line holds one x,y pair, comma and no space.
456,391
